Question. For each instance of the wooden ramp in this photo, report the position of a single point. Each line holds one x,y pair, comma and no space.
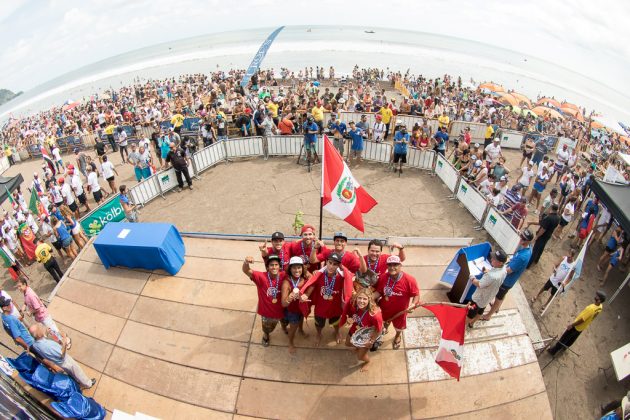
188,347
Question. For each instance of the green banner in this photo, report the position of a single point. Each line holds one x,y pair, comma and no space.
110,211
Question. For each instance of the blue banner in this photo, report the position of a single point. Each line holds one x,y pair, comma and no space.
259,57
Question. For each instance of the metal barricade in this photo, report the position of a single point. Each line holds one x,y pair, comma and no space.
501,230
446,172
146,190
284,145
377,152
208,157
477,130
421,159
244,147
510,139
472,199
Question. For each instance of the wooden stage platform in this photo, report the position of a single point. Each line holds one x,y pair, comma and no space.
189,347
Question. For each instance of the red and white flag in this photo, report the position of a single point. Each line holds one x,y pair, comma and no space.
450,353
342,195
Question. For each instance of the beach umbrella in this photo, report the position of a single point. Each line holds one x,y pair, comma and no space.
569,105
596,124
516,109
492,87
507,99
548,101
528,112
544,111
572,112
522,99
609,123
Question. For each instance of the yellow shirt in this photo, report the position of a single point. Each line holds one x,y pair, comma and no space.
177,120
273,108
444,120
43,252
489,131
318,113
387,114
110,129
7,151
587,316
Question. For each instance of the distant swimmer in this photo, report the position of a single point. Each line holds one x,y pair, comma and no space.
369,32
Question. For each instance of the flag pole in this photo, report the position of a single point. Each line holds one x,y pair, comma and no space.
321,195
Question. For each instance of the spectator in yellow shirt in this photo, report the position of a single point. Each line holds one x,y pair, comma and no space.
386,115
318,115
581,322
177,121
444,120
273,107
9,154
43,253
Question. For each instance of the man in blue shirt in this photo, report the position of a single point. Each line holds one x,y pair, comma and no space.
401,140
337,129
441,140
310,138
356,136
14,326
515,268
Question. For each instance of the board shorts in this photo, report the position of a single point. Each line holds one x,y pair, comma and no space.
503,290
475,310
82,198
320,322
549,285
400,157
293,317
73,206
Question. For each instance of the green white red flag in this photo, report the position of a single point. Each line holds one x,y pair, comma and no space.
342,195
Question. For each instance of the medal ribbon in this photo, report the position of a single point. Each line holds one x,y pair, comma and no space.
391,288
271,285
375,264
329,286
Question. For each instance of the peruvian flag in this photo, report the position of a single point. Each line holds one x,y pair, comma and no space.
453,322
342,195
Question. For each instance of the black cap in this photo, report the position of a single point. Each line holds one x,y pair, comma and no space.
601,295
4,302
335,257
340,235
273,257
527,235
277,235
500,256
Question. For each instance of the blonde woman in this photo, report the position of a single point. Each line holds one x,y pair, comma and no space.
366,316
73,226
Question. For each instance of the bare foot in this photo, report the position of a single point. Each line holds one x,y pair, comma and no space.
292,349
338,339
365,367
485,318
318,340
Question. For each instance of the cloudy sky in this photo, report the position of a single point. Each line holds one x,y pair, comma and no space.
43,39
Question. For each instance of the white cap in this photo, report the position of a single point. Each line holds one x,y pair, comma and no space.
393,259
478,163
296,260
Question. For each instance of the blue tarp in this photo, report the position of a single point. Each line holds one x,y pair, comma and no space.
141,245
70,402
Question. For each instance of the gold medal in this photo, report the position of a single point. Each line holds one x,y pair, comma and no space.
274,300
328,297
387,298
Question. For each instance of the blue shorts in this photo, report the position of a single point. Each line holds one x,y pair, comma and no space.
292,317
310,145
539,187
67,242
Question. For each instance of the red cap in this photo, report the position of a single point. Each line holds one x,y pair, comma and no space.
306,228
60,180
248,111
70,166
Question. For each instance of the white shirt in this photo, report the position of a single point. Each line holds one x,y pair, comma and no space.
66,192
563,157
569,211
77,185
122,138
56,194
561,272
56,153
93,182
525,179
378,131
108,169
492,152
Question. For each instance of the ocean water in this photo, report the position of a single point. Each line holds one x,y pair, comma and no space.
342,47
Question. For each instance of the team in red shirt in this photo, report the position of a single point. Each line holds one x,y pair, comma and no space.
294,282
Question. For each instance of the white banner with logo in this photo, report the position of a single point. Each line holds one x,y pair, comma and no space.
447,173
502,231
510,139
472,199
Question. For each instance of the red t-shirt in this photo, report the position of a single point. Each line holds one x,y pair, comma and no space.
323,285
284,254
266,291
348,260
296,250
401,291
362,319
295,307
381,265
467,137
